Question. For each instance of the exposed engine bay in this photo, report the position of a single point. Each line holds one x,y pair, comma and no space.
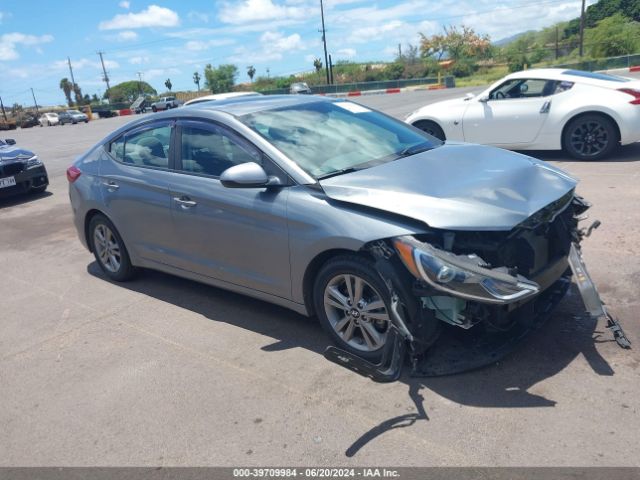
496,284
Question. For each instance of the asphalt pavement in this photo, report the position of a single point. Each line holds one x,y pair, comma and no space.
165,371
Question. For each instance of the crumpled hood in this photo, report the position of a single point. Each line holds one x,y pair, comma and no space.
11,152
456,186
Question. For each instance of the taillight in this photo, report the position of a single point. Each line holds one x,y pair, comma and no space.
73,173
634,93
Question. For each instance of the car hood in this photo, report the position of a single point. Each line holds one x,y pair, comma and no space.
456,186
11,152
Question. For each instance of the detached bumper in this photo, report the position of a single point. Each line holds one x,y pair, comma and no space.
25,179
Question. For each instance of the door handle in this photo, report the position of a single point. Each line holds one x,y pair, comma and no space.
111,185
185,202
545,107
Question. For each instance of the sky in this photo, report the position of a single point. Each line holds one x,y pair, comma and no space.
174,38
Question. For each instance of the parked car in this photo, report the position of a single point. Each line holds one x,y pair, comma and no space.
165,103
329,208
586,114
299,88
28,121
220,96
65,117
20,170
77,116
49,119
140,104
7,124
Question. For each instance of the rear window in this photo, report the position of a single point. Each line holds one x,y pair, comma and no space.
596,76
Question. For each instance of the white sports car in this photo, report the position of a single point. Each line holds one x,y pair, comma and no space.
586,114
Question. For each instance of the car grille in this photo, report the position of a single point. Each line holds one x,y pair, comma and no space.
8,169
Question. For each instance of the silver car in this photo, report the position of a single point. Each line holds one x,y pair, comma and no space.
330,209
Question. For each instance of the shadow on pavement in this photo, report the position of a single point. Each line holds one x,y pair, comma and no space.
546,352
627,153
22,198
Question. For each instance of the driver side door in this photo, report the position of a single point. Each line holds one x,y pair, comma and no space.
512,114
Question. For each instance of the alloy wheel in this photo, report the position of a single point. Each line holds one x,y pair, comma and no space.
589,138
356,312
107,247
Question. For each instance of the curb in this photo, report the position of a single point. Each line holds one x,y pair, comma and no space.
385,91
635,68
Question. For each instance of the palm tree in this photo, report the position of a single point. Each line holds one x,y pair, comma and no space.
196,79
168,84
317,64
78,94
251,71
67,88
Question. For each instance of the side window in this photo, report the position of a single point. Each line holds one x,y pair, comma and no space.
116,149
148,148
523,88
212,151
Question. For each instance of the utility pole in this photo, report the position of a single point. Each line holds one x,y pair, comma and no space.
268,76
73,80
331,69
582,30
140,82
557,50
104,70
35,101
399,51
324,41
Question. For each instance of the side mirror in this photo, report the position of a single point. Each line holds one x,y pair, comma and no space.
247,175
483,99
468,96
9,141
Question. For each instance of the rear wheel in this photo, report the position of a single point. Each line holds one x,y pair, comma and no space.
430,127
155,109
39,189
590,137
109,249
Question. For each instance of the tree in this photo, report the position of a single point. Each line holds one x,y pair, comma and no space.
95,99
78,93
615,35
128,91
196,79
86,99
67,88
221,79
456,43
167,83
317,64
251,71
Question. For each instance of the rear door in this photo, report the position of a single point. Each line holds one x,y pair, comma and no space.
513,113
135,180
238,235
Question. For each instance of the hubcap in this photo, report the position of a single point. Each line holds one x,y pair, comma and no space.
356,312
589,139
107,248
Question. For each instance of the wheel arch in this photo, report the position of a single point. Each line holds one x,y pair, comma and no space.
589,112
314,267
87,220
432,120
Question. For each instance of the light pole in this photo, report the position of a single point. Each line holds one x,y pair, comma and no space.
324,41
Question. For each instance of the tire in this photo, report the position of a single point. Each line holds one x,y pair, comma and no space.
351,326
86,121
590,137
115,264
38,189
154,109
432,128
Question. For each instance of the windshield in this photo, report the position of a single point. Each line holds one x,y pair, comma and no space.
325,138
74,112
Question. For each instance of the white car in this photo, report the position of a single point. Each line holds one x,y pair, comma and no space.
220,96
586,114
49,119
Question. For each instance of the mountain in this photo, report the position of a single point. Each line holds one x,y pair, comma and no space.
512,38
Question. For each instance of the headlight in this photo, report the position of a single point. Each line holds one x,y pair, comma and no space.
463,276
33,162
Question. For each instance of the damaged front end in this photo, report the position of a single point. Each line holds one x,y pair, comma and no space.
499,284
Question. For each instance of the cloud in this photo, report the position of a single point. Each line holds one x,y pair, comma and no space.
152,16
126,35
199,45
124,4
198,16
138,60
273,47
10,41
365,34
249,11
346,53
160,72
82,63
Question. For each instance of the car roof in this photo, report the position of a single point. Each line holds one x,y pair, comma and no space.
247,104
220,96
571,75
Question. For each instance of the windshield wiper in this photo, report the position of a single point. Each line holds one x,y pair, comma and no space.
417,148
339,172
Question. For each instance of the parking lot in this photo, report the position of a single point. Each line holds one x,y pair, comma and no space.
165,371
